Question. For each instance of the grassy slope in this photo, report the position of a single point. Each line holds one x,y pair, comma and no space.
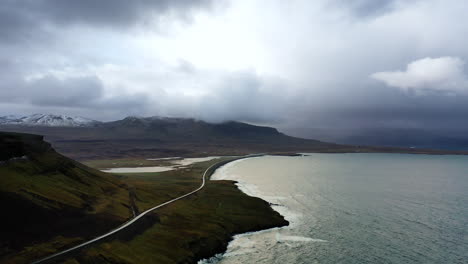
190,229
54,202
48,199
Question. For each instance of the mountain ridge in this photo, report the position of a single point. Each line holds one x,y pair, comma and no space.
49,120
158,137
166,136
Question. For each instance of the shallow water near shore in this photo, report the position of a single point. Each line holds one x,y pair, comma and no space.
177,163
355,208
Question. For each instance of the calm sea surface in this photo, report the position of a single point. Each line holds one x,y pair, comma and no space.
356,208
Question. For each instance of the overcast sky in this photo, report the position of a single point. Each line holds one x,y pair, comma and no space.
301,66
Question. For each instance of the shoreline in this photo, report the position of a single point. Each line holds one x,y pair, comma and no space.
246,189
208,222
328,209
215,258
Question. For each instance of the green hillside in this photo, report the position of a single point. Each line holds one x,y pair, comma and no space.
51,201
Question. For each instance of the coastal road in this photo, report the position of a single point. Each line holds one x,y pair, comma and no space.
138,216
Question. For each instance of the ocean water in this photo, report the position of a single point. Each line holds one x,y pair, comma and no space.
355,208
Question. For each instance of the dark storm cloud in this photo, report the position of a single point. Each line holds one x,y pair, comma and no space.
327,64
46,89
367,8
429,112
242,96
71,92
31,42
115,12
15,24
337,118
21,20
83,92
218,96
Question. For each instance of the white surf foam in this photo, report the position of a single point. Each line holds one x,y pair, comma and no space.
283,238
244,245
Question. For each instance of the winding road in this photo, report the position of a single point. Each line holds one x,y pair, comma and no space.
138,216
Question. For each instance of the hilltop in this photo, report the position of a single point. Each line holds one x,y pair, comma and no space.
140,137
47,120
51,203
46,197
162,137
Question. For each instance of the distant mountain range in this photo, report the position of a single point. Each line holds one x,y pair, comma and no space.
82,138
48,120
153,137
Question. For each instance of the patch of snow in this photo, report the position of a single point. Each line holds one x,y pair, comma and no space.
47,120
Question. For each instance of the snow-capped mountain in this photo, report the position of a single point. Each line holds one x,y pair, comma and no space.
47,120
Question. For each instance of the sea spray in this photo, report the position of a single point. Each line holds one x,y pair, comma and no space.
355,208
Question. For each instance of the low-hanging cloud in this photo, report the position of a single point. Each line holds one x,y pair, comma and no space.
70,92
301,66
438,75
77,94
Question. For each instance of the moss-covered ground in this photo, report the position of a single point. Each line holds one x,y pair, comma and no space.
196,227
57,203
50,202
